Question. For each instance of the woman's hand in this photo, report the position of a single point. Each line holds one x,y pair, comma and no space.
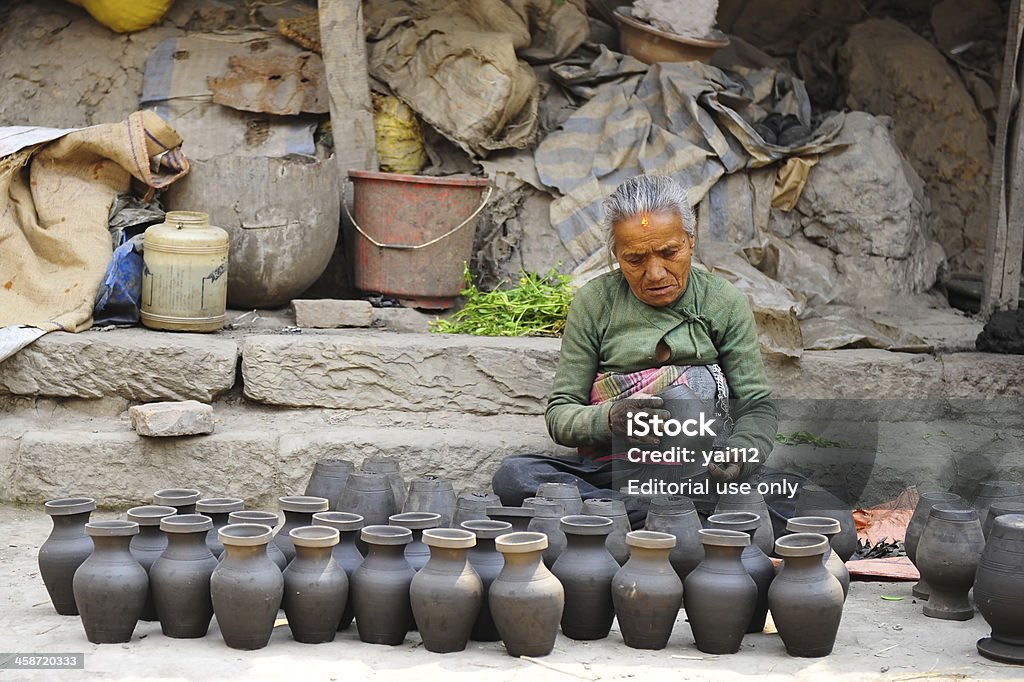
728,468
618,415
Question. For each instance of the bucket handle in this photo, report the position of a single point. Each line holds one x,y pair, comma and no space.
435,240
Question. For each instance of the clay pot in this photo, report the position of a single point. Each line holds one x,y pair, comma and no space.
814,500
947,558
218,509
369,495
519,517
446,594
180,578
148,545
246,586
432,494
999,589
416,553
472,506
487,562
264,518
616,511
586,569
830,529
315,586
806,600
380,586
719,595
547,516
759,567
65,549
998,509
996,491
298,512
328,479
912,538
110,586
390,467
182,499
646,591
526,600
678,517
566,494
751,502
346,553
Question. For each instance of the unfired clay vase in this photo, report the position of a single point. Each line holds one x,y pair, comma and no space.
369,495
180,578
526,600
416,553
519,517
751,502
315,587
997,509
912,538
182,499
390,467
678,517
218,509
547,517
380,586
586,569
947,558
346,553
487,562
999,590
993,491
646,591
328,479
830,528
433,494
264,518
447,592
472,506
110,586
759,566
65,549
806,600
814,500
719,595
246,587
616,511
565,494
298,512
148,545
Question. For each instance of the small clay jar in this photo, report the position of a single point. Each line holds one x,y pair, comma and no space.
751,502
947,558
806,600
446,594
416,553
148,545
218,509
646,591
759,566
380,586
298,512
433,494
110,586
997,509
996,491
315,587
677,516
65,549
346,553
616,511
566,494
389,467
182,499
264,518
547,516
519,517
829,528
814,500
487,562
999,590
526,600
371,496
719,595
246,587
180,578
912,538
472,506
586,569
328,479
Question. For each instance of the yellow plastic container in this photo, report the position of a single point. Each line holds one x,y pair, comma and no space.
185,278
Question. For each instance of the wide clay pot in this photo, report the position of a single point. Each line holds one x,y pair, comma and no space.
912,538
947,558
264,518
547,517
110,586
646,591
751,502
616,511
759,566
315,586
678,517
65,549
369,495
519,517
487,562
996,510
433,494
416,553
246,587
182,499
806,600
719,595
814,500
328,479
218,509
586,569
996,491
472,506
298,512
526,600
380,586
148,545
566,494
390,467
180,578
346,552
999,590
446,594
829,528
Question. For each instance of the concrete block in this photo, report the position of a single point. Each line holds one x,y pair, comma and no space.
327,313
185,418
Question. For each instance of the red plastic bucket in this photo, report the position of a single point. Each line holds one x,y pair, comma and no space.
413,234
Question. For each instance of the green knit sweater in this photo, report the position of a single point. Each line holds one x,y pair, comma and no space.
610,330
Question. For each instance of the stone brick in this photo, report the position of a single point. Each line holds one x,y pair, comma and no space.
327,313
185,418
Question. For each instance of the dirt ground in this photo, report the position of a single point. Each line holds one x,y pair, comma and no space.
879,640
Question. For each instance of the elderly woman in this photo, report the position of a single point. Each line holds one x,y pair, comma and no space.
654,326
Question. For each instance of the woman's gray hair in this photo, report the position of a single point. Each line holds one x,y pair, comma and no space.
647,194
